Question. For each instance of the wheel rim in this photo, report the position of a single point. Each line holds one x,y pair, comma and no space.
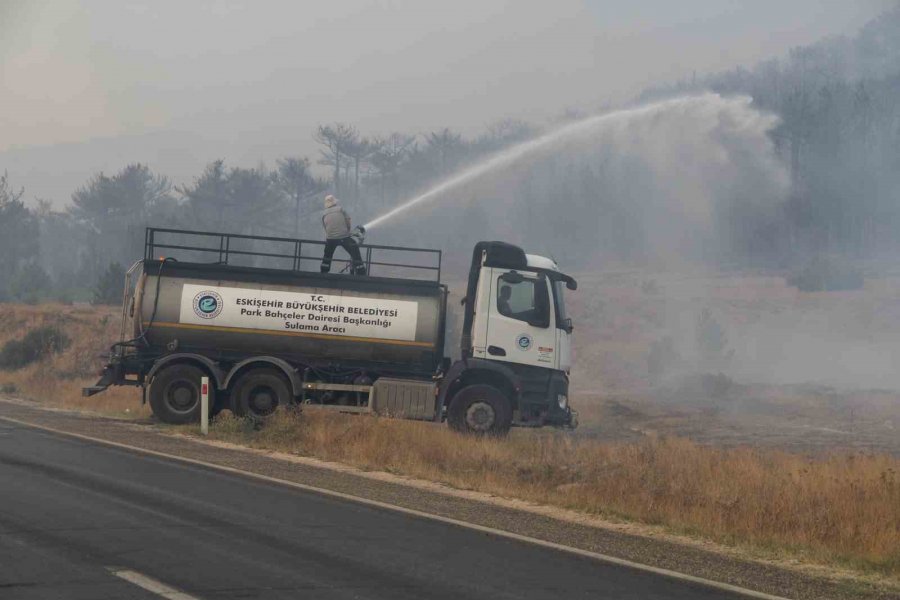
262,401
480,416
182,396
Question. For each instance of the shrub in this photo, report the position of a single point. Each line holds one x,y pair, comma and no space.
8,388
712,342
36,344
29,283
661,358
108,289
823,274
650,287
65,297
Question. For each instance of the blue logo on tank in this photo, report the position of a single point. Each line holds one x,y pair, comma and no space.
207,304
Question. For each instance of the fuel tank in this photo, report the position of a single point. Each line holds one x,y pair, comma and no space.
230,313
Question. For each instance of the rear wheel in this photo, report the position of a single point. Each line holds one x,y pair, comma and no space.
175,394
480,409
259,392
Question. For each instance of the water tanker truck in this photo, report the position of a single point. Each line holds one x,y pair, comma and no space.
255,316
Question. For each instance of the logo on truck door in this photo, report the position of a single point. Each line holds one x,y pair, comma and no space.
207,304
523,342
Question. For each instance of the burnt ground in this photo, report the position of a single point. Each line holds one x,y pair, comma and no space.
738,358
714,410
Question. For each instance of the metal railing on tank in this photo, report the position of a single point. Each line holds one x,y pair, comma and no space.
286,254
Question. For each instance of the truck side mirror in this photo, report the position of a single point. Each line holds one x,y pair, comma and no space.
567,325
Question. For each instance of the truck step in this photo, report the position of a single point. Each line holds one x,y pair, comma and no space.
94,389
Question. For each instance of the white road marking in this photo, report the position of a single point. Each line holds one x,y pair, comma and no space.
417,513
151,585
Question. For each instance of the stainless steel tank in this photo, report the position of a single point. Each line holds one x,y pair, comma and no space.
228,311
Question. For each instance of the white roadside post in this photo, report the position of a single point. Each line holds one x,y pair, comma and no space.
204,405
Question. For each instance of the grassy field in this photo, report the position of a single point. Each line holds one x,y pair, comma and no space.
58,378
832,508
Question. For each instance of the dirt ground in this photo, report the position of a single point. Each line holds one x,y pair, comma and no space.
738,360
801,418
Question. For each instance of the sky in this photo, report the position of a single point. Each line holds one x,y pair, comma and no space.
90,86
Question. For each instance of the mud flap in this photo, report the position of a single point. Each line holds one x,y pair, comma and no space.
108,377
573,420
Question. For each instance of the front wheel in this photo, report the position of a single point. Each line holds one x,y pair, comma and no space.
258,393
175,394
480,409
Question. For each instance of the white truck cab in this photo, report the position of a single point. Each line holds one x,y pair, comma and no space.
516,334
520,316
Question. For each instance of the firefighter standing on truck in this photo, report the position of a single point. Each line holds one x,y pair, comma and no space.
338,233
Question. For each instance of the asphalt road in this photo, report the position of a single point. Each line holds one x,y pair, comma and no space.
82,520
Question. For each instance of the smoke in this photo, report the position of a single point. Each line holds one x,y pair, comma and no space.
846,340
684,179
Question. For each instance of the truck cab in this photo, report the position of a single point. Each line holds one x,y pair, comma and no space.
516,340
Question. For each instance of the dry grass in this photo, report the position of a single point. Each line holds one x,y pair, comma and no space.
57,380
842,508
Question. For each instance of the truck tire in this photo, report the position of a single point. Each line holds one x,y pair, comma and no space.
259,392
175,394
480,409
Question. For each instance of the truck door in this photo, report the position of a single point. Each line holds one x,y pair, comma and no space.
521,324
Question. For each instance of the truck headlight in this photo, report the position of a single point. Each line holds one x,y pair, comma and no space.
562,400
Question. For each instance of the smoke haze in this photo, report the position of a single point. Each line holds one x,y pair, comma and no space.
754,141
94,86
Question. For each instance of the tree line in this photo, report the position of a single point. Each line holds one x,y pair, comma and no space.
839,136
839,104
80,252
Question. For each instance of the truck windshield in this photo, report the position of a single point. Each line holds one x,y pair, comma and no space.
559,300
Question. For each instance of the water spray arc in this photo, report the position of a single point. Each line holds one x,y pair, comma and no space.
580,130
